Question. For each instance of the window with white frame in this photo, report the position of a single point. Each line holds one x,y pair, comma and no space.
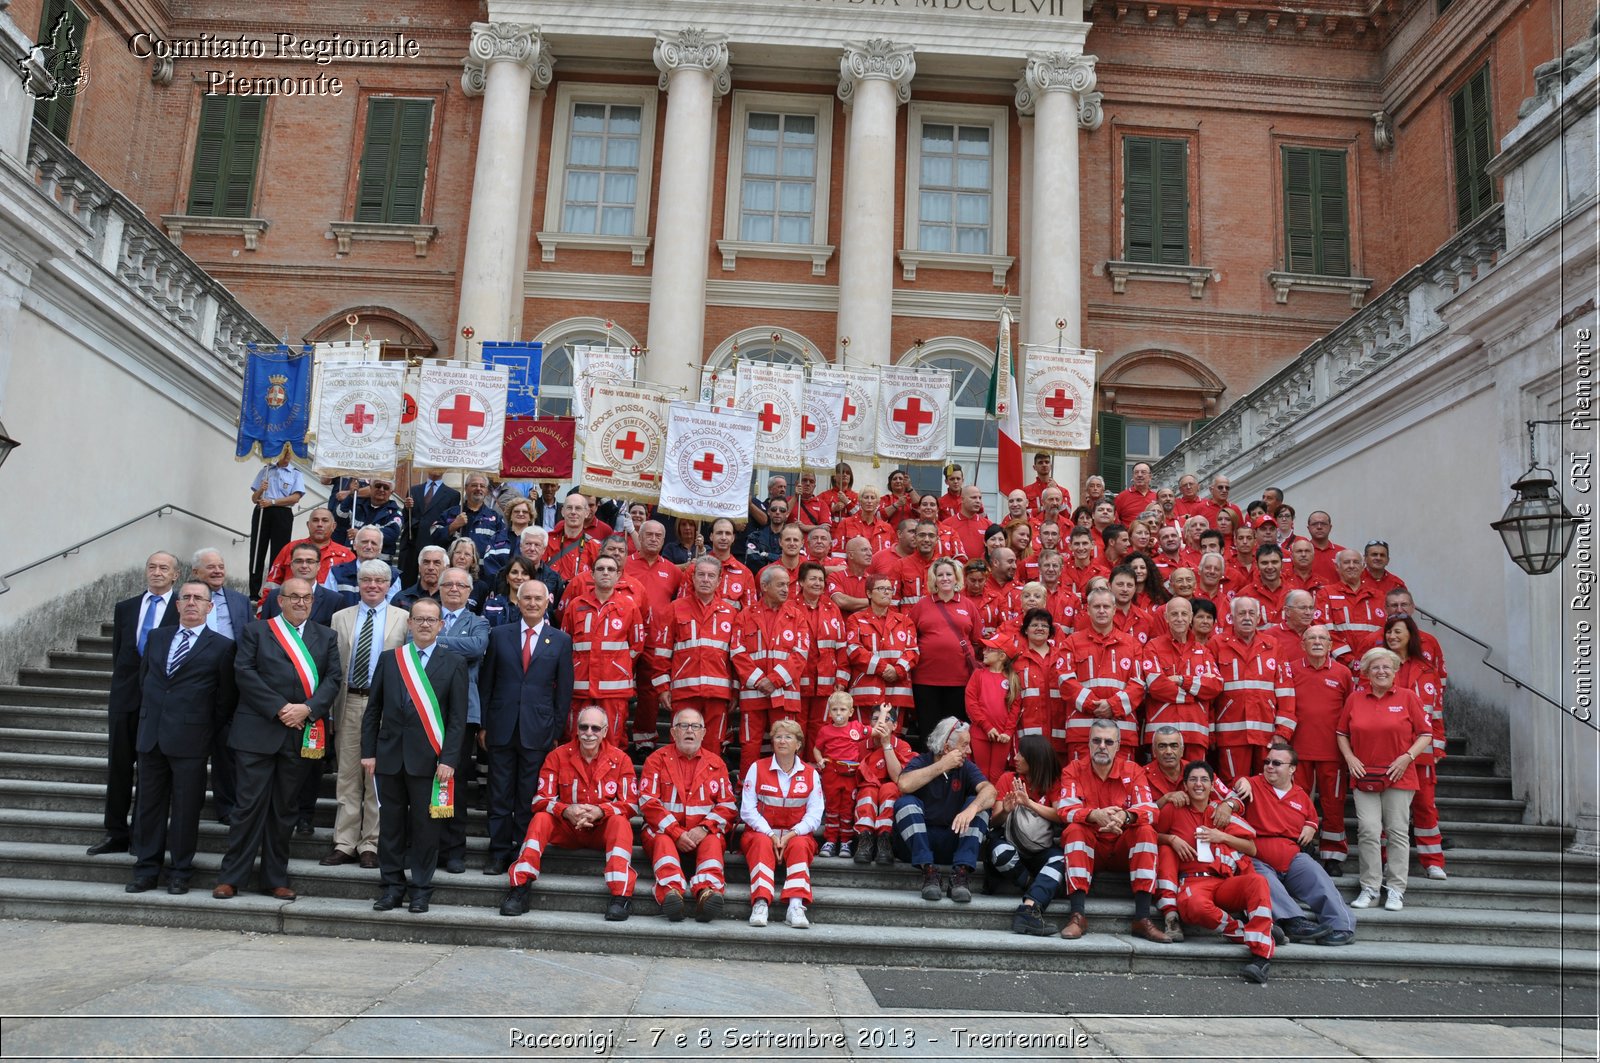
555,374
778,178
1148,442
955,197
598,192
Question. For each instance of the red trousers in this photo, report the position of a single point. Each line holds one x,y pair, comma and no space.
838,787
990,757
714,711
763,861
1429,843
614,837
1326,779
1087,850
1239,762
646,710
616,710
1207,901
813,714
1167,876
667,861
875,807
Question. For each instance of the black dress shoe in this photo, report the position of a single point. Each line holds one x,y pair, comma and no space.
516,901
419,905
496,867
617,911
456,866
108,844
140,885
303,828
177,887
389,901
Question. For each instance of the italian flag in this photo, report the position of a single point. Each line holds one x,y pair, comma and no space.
1003,407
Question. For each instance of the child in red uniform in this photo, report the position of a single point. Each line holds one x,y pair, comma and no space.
841,743
992,708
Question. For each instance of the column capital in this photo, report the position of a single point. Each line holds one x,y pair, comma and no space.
878,59
1057,72
693,48
505,42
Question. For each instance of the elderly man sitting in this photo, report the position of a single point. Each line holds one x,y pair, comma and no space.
943,811
686,799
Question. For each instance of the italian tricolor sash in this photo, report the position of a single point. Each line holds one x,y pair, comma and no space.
423,699
299,656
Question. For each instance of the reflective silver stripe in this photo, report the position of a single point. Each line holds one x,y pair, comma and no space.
700,680
1251,684
612,684
1245,725
616,647
781,802
695,644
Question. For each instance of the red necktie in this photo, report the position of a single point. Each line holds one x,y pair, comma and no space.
527,648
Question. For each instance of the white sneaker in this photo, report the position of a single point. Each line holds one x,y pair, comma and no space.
796,916
828,849
758,913
1365,899
1437,873
1396,901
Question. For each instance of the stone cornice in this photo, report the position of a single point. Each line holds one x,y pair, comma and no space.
693,49
1342,23
505,42
878,59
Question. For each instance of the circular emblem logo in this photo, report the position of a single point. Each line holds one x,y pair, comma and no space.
462,416
362,418
774,407
1058,400
631,444
611,786
913,416
709,464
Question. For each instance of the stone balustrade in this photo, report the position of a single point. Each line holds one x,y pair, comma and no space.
1254,429
142,258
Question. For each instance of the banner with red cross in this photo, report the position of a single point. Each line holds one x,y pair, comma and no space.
336,351
357,416
858,425
592,363
913,414
819,424
716,387
776,395
461,418
1058,397
709,461
623,441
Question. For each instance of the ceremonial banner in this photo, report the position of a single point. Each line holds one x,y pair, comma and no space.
358,417
461,416
913,414
591,364
538,448
342,351
1059,384
275,408
522,362
858,431
623,441
1003,407
708,462
716,387
819,424
408,409
775,394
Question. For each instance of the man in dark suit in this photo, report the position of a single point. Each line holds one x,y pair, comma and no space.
132,621
187,685
404,755
287,669
466,636
425,503
230,612
305,561
525,690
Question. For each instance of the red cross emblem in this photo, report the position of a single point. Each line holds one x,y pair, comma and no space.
629,445
850,409
358,418
1059,403
912,417
770,418
806,427
459,417
708,466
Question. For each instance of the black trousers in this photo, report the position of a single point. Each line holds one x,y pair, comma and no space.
453,830
267,787
407,836
171,791
513,784
222,773
121,756
934,704
270,531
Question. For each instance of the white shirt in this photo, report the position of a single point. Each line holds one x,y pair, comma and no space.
177,640
751,813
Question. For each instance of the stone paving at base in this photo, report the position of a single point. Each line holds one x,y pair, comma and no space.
87,991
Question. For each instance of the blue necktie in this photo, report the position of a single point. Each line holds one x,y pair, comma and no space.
148,622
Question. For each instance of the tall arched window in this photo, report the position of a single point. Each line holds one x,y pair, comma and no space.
975,434
765,343
555,370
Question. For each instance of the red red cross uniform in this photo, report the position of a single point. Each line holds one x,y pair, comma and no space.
1271,601
659,580
1181,680
873,643
568,557
842,749
876,793
676,795
962,537
1354,616
825,668
1166,859
1319,697
880,533
1417,676
770,806
607,638
1210,891
1256,703
839,505
567,779
1089,849
692,649
911,580
1001,602
771,644
1101,668
737,585
1042,711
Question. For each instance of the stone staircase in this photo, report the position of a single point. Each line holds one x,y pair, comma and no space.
1516,907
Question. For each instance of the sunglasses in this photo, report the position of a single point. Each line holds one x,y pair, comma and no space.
592,728
1276,763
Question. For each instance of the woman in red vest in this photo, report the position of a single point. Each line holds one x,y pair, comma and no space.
782,808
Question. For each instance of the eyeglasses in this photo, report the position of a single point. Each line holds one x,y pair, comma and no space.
295,597
688,727
592,728
1377,542
1105,741
427,620
194,597
1276,763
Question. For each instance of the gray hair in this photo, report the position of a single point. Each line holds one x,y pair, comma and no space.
375,568
1105,725
1295,596
194,562
1376,654
422,555
533,531
943,733
707,561
1166,730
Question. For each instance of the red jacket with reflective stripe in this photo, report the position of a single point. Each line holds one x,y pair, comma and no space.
770,644
1257,699
679,793
567,779
607,638
1102,668
693,647
871,642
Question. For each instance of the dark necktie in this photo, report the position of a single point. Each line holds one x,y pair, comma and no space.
361,660
182,651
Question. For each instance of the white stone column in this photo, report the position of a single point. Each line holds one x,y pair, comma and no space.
517,295
504,61
1057,89
694,72
874,80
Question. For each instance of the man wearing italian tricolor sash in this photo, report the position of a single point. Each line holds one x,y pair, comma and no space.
411,745
287,670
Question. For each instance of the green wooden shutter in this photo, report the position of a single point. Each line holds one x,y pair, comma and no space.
244,150
1299,221
1333,215
1172,201
1469,114
1316,209
1138,198
1197,424
377,156
394,161
1113,451
225,156
209,147
64,42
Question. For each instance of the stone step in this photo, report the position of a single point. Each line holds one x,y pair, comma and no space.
865,907
1101,951
1484,810
95,643
65,697
67,678
1461,764
48,768
77,721
48,741
87,661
